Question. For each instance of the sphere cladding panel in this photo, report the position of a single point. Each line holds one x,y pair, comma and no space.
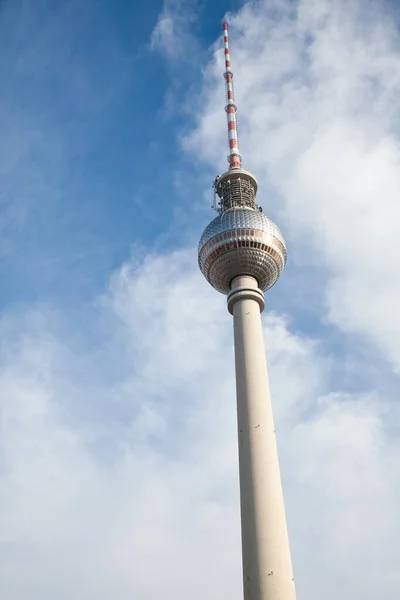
241,242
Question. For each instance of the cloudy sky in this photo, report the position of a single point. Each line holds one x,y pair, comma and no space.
118,460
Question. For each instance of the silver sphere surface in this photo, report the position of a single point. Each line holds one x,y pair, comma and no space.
241,241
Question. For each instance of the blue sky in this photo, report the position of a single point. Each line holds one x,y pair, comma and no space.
85,96
117,414
77,87
94,115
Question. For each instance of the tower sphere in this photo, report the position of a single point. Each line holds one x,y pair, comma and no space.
241,241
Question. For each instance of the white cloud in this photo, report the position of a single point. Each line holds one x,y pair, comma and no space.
317,86
144,500
172,33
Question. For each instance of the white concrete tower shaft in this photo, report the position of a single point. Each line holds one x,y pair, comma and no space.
267,566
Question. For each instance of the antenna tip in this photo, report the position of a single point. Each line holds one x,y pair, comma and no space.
225,26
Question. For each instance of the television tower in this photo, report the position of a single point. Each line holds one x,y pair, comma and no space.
241,254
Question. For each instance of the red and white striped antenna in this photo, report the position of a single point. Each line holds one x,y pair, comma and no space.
234,157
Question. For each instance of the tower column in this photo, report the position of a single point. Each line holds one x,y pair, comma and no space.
267,567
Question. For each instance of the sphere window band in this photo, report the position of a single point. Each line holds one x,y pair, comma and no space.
236,238
243,244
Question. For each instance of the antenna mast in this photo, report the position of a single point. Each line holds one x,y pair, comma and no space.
236,188
234,157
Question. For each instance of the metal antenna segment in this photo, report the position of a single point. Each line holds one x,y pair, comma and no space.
234,157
